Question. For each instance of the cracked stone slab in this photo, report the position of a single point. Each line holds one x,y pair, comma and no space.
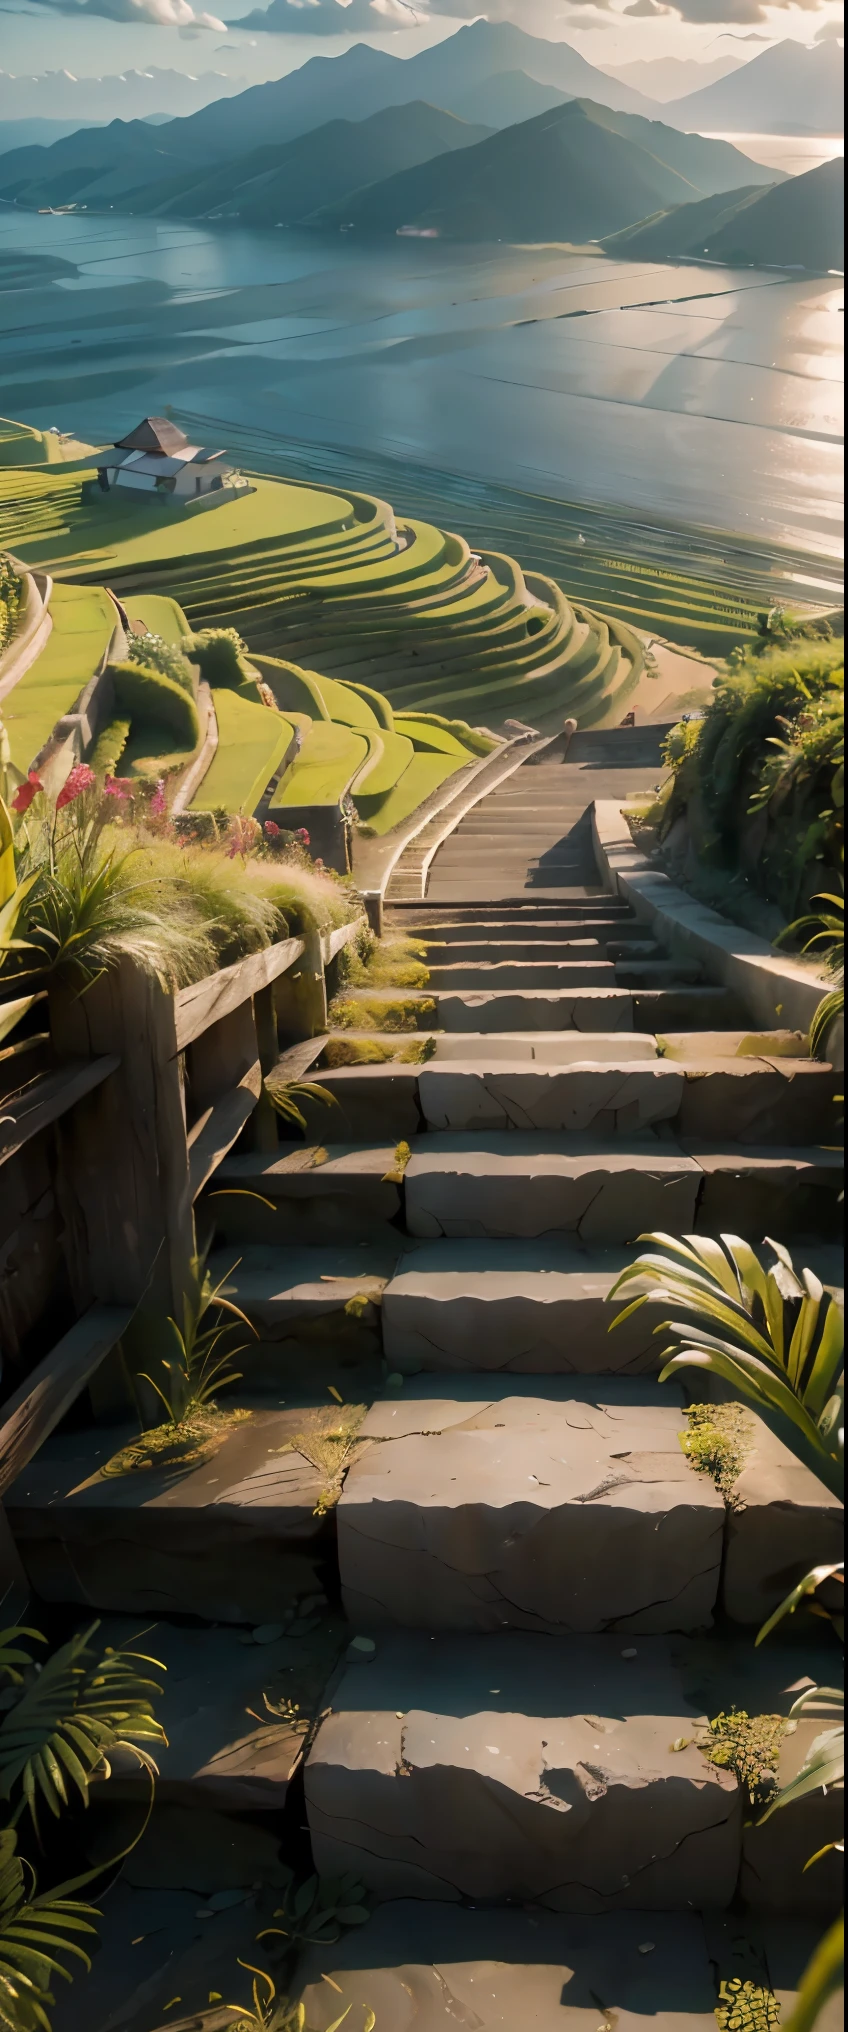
545,1047
232,1537
584,1098
768,1191
372,1101
520,1184
428,1967
320,1193
783,1522
588,1009
526,1769
758,1100
573,1512
530,1307
226,1750
479,974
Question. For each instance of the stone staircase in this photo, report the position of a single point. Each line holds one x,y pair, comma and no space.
459,1517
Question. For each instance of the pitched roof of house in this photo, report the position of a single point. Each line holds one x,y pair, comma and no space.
153,434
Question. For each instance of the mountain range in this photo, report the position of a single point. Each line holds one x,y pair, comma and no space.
785,90
797,224
566,175
669,77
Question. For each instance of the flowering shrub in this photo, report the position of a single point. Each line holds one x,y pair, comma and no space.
81,778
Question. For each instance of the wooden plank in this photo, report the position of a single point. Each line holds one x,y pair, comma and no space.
219,1128
292,1064
48,1098
37,1406
207,1001
332,941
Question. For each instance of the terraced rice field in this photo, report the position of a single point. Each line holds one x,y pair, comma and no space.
83,622
251,745
336,585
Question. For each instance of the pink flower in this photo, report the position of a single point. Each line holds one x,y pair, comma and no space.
271,829
81,778
302,835
27,791
118,786
243,834
158,806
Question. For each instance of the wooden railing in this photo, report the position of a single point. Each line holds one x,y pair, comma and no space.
104,1154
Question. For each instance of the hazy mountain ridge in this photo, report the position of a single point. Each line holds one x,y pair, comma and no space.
785,90
575,173
280,186
799,224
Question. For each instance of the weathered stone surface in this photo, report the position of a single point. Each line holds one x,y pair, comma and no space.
772,1191
783,1521
524,1184
757,1101
372,1101
227,1750
576,1511
505,973
232,1537
621,1099
321,1193
547,1047
155,1945
307,1307
535,1009
699,1045
530,1307
525,1769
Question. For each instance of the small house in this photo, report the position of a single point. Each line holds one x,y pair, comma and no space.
156,458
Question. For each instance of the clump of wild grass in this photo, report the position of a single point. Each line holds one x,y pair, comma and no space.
388,963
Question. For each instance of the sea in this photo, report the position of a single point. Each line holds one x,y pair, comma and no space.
696,396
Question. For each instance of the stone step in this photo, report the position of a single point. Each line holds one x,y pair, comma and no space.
506,930
582,1008
494,1504
658,973
528,1184
748,1100
428,1963
320,1193
502,949
480,975
315,1311
544,1047
500,1968
233,1531
530,1308
565,1776
514,911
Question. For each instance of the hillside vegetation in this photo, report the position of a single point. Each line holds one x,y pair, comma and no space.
574,173
799,224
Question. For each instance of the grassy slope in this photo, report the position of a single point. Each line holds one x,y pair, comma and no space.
251,744
83,622
328,759
424,775
161,616
67,522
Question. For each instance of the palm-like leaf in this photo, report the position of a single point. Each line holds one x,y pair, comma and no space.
81,1709
777,1337
35,1935
820,1980
285,1097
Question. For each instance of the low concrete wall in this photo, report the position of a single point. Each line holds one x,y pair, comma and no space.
776,989
34,625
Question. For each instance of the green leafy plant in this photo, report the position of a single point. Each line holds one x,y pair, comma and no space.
286,1096
199,1356
271,2013
59,1731
154,653
716,1442
828,931
777,1337
823,1976
316,1912
221,654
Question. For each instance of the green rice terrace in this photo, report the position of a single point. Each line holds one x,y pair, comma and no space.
288,650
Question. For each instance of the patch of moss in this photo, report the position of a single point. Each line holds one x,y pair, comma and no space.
343,1050
745,2006
328,1442
747,1745
390,963
717,1442
196,1438
379,1013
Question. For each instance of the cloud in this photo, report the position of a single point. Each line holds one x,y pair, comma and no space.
161,13
648,8
334,17
830,31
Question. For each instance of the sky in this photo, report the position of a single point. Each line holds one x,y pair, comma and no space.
250,40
